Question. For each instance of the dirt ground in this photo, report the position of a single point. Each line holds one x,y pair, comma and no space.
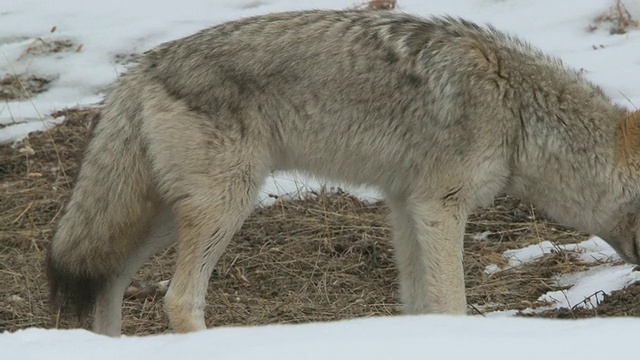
320,257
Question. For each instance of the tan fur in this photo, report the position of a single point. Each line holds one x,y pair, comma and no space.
628,144
440,115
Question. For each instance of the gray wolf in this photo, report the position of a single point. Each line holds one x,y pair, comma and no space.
439,114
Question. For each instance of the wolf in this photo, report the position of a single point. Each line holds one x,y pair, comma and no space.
440,114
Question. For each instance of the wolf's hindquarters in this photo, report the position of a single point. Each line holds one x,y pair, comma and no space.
108,213
210,177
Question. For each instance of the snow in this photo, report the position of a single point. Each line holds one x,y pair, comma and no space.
591,285
593,249
417,337
105,34
481,236
584,289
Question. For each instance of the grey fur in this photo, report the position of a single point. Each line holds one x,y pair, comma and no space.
439,114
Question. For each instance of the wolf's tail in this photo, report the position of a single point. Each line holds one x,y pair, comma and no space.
108,210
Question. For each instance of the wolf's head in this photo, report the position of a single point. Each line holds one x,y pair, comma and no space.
624,237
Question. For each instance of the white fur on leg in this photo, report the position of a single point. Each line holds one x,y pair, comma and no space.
412,272
428,244
198,255
209,219
108,314
185,305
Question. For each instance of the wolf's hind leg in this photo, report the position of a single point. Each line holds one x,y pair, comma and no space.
108,315
208,218
209,169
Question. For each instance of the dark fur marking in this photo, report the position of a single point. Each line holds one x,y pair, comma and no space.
413,80
391,57
451,195
214,239
180,198
70,290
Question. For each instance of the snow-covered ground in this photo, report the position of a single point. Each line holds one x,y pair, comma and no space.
102,36
398,338
584,289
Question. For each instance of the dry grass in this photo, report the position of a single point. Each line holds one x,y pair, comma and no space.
376,5
382,4
618,18
22,86
317,258
42,46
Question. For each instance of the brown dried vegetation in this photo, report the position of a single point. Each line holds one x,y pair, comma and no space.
323,256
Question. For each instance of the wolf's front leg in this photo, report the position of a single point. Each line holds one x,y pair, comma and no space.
428,238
